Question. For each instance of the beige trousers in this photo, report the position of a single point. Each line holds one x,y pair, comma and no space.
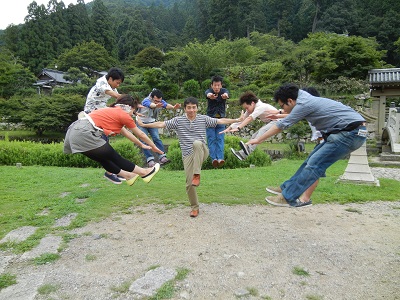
192,165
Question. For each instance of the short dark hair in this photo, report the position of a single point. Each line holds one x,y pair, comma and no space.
248,97
312,91
285,92
216,78
191,100
115,74
157,93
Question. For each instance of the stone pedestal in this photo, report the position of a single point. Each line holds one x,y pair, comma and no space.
358,170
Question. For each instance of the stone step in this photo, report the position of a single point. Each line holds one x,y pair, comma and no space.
386,156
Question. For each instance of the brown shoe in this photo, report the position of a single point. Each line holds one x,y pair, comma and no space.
196,180
274,190
278,200
215,163
221,163
194,213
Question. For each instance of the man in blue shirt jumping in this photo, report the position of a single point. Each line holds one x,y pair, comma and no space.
343,129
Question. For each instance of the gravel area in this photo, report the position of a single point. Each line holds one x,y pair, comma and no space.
327,251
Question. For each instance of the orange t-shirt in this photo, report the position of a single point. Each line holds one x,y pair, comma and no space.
112,119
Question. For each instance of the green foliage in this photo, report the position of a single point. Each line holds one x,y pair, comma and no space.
57,112
87,57
191,88
149,57
6,280
75,75
14,77
47,289
46,258
258,158
300,130
30,153
79,89
300,271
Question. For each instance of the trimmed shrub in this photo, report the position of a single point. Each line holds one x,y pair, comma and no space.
30,153
258,158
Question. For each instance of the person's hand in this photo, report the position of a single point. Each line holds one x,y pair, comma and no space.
229,129
212,96
139,121
139,115
144,146
273,116
225,96
253,142
155,149
241,118
159,104
176,106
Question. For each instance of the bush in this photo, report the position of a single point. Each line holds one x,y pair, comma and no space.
258,158
30,153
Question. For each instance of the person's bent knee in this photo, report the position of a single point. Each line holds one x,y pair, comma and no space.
197,144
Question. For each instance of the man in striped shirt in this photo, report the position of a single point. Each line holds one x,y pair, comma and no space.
191,131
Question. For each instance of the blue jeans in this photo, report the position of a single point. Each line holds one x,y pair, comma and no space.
216,141
153,132
337,146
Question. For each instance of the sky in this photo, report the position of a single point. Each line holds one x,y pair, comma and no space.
14,11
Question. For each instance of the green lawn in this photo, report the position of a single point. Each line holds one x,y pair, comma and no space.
28,191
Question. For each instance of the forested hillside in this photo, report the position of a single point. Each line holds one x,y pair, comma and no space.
125,27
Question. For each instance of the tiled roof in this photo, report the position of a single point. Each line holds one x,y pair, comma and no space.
58,76
384,76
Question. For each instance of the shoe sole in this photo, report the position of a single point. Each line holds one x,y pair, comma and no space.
244,148
131,181
272,191
276,204
153,172
305,204
234,153
115,182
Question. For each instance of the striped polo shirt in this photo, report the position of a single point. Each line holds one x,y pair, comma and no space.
190,131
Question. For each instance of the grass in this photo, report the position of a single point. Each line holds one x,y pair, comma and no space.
6,280
28,191
300,271
46,258
168,289
47,289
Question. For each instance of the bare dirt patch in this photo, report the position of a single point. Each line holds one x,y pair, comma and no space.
349,252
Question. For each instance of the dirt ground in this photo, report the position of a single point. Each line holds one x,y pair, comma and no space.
250,252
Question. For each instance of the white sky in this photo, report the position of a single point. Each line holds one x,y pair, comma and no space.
14,11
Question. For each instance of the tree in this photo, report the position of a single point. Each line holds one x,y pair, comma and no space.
103,27
203,58
149,57
87,57
75,75
14,77
56,113
78,23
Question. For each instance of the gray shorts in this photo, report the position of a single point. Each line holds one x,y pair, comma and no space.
82,136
